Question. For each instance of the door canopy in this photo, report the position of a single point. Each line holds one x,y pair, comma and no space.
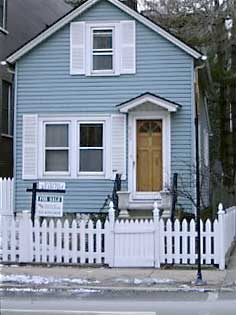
148,98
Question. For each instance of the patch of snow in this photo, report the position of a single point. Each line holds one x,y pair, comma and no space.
23,290
147,281
38,280
137,281
82,290
83,281
184,287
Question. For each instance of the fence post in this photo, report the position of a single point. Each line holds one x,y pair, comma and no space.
25,238
111,216
221,218
156,222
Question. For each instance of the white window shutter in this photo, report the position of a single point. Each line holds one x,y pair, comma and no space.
127,49
118,145
77,48
30,145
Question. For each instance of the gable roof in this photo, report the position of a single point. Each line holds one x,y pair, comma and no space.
148,97
75,12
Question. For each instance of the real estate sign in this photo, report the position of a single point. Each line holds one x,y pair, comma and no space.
49,203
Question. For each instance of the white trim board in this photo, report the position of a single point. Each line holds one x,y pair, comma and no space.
70,16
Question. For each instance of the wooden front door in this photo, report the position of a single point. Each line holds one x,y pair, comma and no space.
149,156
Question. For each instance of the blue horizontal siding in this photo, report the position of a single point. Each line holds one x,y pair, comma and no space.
46,86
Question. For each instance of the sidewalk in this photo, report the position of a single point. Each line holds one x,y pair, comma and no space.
101,278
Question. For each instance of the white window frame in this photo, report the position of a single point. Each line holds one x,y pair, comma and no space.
54,173
73,158
82,173
3,24
110,52
90,27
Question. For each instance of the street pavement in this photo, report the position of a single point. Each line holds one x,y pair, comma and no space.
122,303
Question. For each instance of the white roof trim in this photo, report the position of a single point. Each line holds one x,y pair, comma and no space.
70,16
171,107
157,29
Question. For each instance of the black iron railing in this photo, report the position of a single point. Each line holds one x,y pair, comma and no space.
174,195
113,197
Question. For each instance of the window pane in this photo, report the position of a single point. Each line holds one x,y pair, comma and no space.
91,135
56,161
102,39
91,160
102,62
57,135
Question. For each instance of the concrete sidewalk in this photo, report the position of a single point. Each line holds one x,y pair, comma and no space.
74,277
67,277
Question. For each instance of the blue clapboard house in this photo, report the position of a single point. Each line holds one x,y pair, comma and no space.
101,92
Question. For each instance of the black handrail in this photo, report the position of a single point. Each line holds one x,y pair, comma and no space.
174,195
113,197
116,187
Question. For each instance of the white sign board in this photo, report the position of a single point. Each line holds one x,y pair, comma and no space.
49,205
52,185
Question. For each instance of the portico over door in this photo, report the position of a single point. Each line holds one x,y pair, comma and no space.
149,155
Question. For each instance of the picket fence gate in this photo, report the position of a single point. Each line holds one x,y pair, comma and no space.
118,243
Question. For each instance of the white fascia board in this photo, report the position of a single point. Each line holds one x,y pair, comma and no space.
55,27
70,16
151,99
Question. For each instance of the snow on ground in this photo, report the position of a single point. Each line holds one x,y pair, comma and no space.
38,280
45,290
147,281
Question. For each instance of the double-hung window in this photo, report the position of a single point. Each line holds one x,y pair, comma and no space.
102,50
56,149
91,147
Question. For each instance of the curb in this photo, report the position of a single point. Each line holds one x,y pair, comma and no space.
197,289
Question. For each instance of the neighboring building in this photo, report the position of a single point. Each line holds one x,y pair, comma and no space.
19,22
104,91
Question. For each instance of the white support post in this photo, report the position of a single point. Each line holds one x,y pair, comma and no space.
221,218
111,246
25,238
156,222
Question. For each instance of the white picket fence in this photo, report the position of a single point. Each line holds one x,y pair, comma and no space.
6,196
118,243
6,202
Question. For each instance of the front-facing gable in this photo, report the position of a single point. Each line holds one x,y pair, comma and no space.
148,98
45,88
81,9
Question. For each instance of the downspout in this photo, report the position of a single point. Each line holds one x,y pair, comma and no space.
198,201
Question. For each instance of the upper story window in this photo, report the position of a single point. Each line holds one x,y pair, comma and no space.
102,52
3,14
7,108
103,48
